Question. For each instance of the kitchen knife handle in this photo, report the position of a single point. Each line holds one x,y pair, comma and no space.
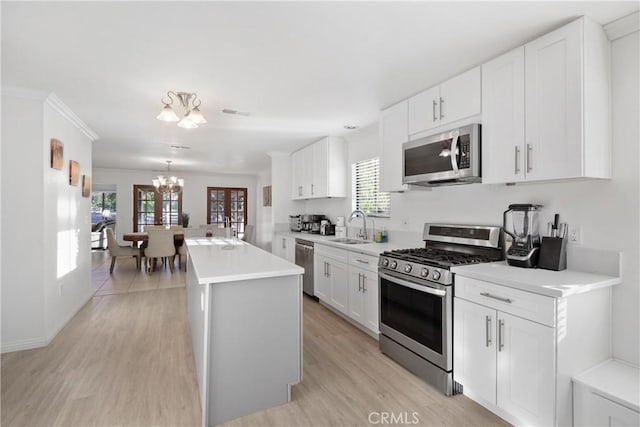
500,338
517,160
488,330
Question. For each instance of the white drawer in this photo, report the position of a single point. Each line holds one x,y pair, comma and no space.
524,304
331,252
367,262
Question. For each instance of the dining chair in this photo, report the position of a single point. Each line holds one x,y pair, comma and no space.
249,234
115,250
160,245
182,252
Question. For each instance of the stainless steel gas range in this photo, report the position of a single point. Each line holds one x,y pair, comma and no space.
416,297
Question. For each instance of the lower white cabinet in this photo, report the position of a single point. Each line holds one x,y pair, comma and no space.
363,297
330,278
284,247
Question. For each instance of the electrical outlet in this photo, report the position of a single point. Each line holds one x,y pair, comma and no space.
575,234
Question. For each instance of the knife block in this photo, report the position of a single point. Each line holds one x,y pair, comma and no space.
553,253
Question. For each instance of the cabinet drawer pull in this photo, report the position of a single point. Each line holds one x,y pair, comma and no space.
529,151
500,338
362,261
488,330
441,102
517,160
434,110
488,295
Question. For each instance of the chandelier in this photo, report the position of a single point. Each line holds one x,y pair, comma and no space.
190,102
168,184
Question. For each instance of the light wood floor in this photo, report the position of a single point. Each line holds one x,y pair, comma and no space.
125,359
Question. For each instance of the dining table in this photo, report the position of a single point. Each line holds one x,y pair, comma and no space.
143,236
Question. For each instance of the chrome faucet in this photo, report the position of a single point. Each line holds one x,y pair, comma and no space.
363,233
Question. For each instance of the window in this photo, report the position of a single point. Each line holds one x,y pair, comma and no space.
103,207
223,202
153,208
366,194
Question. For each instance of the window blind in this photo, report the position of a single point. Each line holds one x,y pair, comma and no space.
366,194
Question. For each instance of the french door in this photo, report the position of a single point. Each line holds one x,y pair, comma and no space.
225,202
153,208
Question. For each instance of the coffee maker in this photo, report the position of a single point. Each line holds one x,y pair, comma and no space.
520,222
311,223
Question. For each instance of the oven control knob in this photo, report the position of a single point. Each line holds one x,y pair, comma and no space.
424,272
394,264
436,275
385,262
407,268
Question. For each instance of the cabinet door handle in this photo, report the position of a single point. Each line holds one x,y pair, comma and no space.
500,337
488,330
435,104
364,279
312,189
325,269
517,160
328,270
529,151
488,295
359,282
441,102
284,243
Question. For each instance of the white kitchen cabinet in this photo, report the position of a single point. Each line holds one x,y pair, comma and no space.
363,290
394,131
319,170
284,247
565,106
503,118
453,100
331,277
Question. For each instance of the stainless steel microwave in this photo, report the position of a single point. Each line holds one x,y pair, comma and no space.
447,158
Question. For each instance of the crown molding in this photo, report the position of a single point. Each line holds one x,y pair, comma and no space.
56,103
623,26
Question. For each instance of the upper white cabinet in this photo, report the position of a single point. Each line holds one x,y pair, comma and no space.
394,131
503,118
453,100
319,170
566,108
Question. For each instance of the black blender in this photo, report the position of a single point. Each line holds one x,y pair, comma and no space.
523,229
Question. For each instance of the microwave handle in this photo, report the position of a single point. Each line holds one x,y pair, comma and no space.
454,148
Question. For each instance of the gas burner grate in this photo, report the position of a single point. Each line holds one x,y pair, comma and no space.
438,256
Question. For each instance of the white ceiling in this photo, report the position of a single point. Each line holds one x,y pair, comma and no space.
303,69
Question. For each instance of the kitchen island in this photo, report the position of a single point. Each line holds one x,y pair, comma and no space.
245,316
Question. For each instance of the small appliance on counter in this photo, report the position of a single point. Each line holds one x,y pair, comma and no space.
311,223
553,249
326,228
520,222
295,222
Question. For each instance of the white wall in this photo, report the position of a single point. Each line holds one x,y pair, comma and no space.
607,210
194,194
46,275
264,214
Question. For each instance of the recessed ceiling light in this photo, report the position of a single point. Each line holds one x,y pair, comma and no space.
235,112
351,127
181,147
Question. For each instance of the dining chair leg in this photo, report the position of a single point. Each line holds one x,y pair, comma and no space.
171,262
113,263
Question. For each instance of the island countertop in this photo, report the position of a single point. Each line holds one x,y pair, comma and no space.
218,260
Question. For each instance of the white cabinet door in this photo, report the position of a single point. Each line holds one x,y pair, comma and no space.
370,293
356,299
339,286
320,167
321,280
307,171
553,96
526,370
460,97
503,118
296,175
289,249
394,131
474,334
424,110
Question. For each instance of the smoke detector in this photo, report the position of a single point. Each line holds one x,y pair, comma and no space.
351,127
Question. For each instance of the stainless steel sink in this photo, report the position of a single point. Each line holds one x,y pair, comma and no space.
348,241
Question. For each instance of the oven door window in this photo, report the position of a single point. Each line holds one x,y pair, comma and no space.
416,314
428,158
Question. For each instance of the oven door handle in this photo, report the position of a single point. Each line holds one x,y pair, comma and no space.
408,284
454,148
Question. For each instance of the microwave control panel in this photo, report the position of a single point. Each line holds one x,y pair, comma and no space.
464,162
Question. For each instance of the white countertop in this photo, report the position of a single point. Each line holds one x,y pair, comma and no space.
556,284
218,260
371,248
618,381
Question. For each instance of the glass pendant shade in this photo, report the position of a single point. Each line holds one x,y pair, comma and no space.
171,184
196,116
168,115
187,123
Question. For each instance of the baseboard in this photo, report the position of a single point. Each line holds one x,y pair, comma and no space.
24,345
350,320
66,320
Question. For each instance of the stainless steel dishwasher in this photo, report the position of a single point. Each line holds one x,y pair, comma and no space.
304,258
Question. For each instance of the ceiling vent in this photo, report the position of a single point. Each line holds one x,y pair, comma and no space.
235,112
